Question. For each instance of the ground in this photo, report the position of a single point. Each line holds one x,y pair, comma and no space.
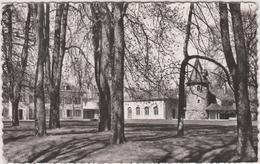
147,141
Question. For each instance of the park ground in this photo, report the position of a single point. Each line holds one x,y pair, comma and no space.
147,141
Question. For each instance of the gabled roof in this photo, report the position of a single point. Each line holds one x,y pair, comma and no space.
216,107
197,75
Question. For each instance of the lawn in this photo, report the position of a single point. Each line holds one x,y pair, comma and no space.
147,141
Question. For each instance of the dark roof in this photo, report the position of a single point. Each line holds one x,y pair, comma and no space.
197,76
139,94
214,107
151,99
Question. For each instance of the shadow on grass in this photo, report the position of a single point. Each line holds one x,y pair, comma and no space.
203,143
72,132
14,138
70,151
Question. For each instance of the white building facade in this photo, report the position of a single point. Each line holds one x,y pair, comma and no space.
150,109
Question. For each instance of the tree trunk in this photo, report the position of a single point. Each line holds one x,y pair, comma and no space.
117,98
244,124
102,51
54,105
40,127
57,63
224,27
8,51
15,78
180,126
104,122
15,118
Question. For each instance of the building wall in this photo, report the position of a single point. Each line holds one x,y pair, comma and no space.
171,108
144,105
196,103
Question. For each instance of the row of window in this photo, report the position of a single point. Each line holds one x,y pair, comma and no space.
68,100
77,113
146,111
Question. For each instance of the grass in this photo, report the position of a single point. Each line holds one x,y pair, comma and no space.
79,141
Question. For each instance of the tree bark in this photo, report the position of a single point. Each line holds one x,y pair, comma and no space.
40,125
117,95
15,118
244,124
102,50
180,126
57,63
15,78
225,37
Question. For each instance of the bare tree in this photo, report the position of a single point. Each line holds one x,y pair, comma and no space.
182,75
117,95
55,69
185,62
101,31
39,103
244,124
14,72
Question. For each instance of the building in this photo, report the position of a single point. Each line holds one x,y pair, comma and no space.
160,108
206,102
91,109
196,93
74,104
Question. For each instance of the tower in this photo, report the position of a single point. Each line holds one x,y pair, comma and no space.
196,93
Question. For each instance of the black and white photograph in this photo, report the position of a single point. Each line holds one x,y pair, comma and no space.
129,81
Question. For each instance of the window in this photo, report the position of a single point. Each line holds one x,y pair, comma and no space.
155,109
146,110
129,110
69,113
76,100
137,110
77,113
68,100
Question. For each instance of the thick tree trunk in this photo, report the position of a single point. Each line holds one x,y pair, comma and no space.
225,37
117,99
54,69
102,51
15,78
15,118
106,63
244,124
57,63
54,106
40,127
104,122
8,51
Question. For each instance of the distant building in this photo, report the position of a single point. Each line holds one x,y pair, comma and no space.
74,104
204,102
196,94
150,109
